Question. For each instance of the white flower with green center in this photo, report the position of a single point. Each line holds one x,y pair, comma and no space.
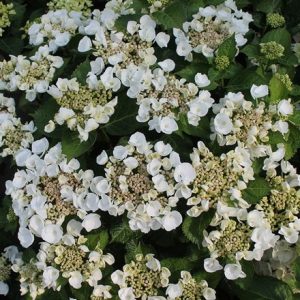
163,98
54,28
239,121
142,278
72,259
15,136
83,108
32,75
121,49
48,189
139,180
209,28
218,179
189,288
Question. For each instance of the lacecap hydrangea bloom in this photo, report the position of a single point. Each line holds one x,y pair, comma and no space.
48,189
210,27
139,180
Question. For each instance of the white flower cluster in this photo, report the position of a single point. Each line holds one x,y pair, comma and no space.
210,27
240,233
164,98
31,75
239,120
14,135
82,107
219,179
145,278
55,28
69,258
119,49
47,189
140,180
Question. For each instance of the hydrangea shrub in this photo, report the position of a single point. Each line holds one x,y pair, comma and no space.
149,149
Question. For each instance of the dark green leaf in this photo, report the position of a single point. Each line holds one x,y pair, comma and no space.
244,80
268,6
278,90
268,288
228,48
123,121
193,227
98,239
81,71
45,113
256,190
121,233
11,45
281,36
72,146
200,131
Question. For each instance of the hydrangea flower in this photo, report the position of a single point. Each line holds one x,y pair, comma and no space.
82,107
142,278
163,98
219,179
31,75
54,28
135,46
239,120
46,190
139,180
210,27
189,288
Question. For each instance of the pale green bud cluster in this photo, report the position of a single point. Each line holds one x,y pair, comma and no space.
275,20
144,281
285,79
222,62
4,269
83,6
235,237
6,10
271,50
69,258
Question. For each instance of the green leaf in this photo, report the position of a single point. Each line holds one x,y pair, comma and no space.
193,227
121,233
72,146
83,293
81,71
256,190
122,21
267,288
268,6
228,48
189,72
45,113
178,264
244,80
169,18
200,131
295,118
98,239
278,91
252,51
281,36
123,121
134,247
11,45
